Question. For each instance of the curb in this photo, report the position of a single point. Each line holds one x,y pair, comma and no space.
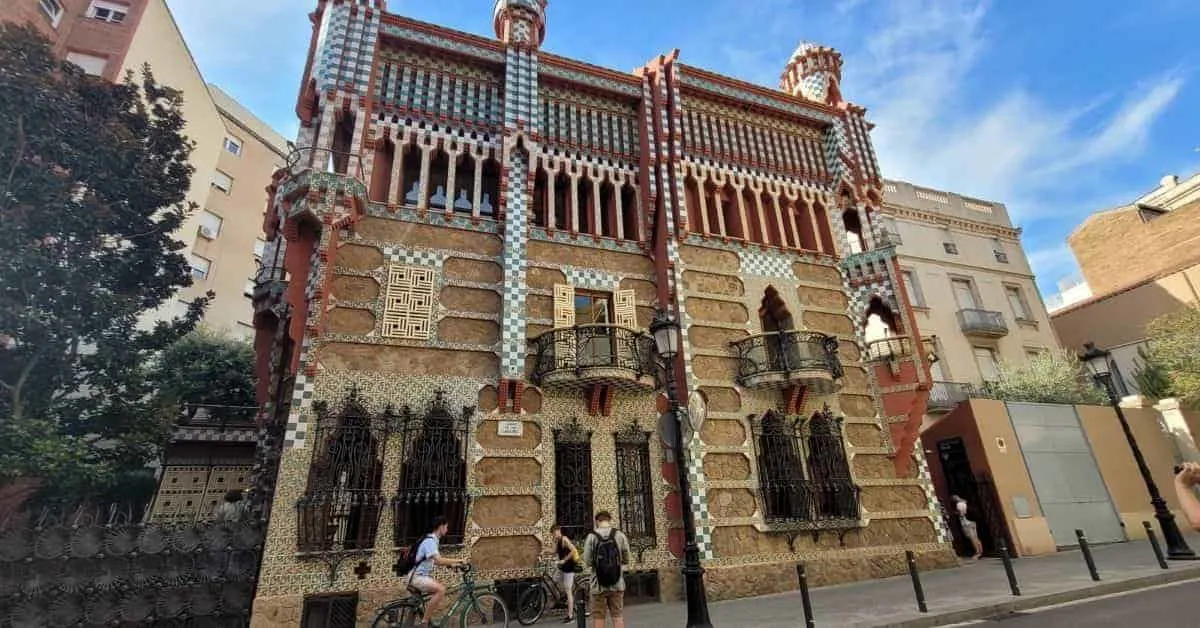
1018,604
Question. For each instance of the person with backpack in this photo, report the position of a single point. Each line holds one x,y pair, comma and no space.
606,552
418,564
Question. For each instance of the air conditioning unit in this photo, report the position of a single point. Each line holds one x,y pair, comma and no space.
207,232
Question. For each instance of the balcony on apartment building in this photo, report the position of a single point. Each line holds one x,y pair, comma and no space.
583,355
889,348
945,396
779,359
984,323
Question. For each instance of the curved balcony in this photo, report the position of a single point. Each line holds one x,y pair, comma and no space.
779,359
890,348
325,168
583,355
945,396
985,323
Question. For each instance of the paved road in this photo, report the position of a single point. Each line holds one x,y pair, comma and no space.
1171,606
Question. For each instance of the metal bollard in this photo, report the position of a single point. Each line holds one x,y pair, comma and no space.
805,600
1087,555
916,580
580,610
1162,561
1006,558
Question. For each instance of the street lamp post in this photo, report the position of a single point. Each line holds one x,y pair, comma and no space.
1097,362
665,330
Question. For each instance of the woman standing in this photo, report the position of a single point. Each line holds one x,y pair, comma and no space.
568,565
970,528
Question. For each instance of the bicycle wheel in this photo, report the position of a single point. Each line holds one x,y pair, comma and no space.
486,610
397,616
531,605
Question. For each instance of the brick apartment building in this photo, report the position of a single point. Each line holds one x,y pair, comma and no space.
463,257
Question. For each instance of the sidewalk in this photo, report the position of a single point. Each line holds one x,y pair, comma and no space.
975,590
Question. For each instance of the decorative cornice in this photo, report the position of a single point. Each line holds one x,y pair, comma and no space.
747,92
593,76
983,228
442,38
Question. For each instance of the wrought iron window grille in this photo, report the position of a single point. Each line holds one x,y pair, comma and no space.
573,479
804,474
635,493
433,476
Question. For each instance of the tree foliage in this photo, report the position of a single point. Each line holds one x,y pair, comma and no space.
93,178
1049,377
207,368
1175,347
1152,379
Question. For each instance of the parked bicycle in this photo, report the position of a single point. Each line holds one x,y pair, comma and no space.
531,605
475,605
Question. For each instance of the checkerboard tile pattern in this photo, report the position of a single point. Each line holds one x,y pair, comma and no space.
935,510
415,257
215,434
767,264
345,47
512,321
591,279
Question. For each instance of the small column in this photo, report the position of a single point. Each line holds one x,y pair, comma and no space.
594,207
396,183
619,209
423,199
782,228
797,242
551,212
704,226
478,190
812,218
573,204
719,199
451,170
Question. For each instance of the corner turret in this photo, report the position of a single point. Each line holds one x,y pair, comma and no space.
520,22
814,73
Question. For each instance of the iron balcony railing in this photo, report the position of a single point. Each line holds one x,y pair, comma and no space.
782,355
947,395
591,351
982,322
890,348
310,159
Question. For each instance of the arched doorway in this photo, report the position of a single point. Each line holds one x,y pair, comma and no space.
777,322
880,325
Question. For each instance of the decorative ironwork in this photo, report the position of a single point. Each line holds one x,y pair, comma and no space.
946,396
102,565
982,323
890,348
585,354
779,357
573,479
408,302
433,478
330,611
635,495
340,509
827,497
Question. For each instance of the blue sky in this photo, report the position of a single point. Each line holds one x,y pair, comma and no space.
1056,108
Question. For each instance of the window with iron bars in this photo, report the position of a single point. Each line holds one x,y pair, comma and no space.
804,475
635,495
433,476
341,505
330,611
573,480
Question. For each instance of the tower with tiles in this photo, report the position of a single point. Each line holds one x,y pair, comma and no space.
465,252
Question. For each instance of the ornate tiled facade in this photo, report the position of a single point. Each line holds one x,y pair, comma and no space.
481,223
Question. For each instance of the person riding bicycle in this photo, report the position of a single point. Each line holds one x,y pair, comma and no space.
568,566
426,558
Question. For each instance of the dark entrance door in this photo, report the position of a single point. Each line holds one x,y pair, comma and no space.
983,506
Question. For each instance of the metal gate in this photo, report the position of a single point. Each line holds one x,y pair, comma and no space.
1065,476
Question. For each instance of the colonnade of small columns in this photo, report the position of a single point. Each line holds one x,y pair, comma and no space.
434,171
581,197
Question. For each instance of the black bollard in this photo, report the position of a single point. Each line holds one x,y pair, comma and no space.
1162,562
1006,558
580,609
916,580
805,600
1087,555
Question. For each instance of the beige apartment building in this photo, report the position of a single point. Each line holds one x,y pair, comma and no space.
970,284
1161,231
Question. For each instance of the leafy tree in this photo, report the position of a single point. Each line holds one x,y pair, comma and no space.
93,177
1049,377
1152,379
208,368
1175,346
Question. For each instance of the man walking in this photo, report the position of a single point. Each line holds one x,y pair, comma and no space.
606,552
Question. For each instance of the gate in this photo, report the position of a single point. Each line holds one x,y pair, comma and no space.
1065,477
104,565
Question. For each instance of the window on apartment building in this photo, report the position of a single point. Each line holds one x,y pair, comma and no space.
260,247
988,364
950,248
912,288
200,266
53,10
222,181
1001,256
1016,301
108,11
233,145
891,232
964,294
90,63
210,225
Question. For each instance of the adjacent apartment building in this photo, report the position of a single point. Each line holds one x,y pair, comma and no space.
235,151
1139,261
462,261
970,284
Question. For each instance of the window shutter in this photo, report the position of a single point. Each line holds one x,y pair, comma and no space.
624,306
564,306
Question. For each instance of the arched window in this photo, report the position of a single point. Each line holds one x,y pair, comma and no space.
854,232
342,502
691,197
464,184
826,236
880,329
608,209
635,492
771,234
828,468
541,199
562,202
786,449
715,213
439,171
433,477
754,232
630,224
381,169
410,174
804,224
585,211
573,480
732,212
343,139
781,469
490,191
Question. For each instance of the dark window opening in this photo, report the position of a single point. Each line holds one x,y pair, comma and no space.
343,138
854,233
433,478
439,171
629,212
464,185
732,213
754,230
772,233
635,495
822,219
562,199
584,209
608,210
381,170
540,200
410,186
712,199
828,468
780,469
490,195
573,480
330,611
804,224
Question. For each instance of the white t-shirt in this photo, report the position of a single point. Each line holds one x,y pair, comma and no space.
427,551
962,509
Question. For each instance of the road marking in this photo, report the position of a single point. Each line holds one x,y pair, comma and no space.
1088,600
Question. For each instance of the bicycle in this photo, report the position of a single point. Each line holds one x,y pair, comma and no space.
476,605
532,603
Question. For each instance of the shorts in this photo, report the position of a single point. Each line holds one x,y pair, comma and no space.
608,604
970,530
424,584
566,579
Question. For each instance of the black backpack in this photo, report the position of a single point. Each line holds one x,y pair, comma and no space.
606,559
408,560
